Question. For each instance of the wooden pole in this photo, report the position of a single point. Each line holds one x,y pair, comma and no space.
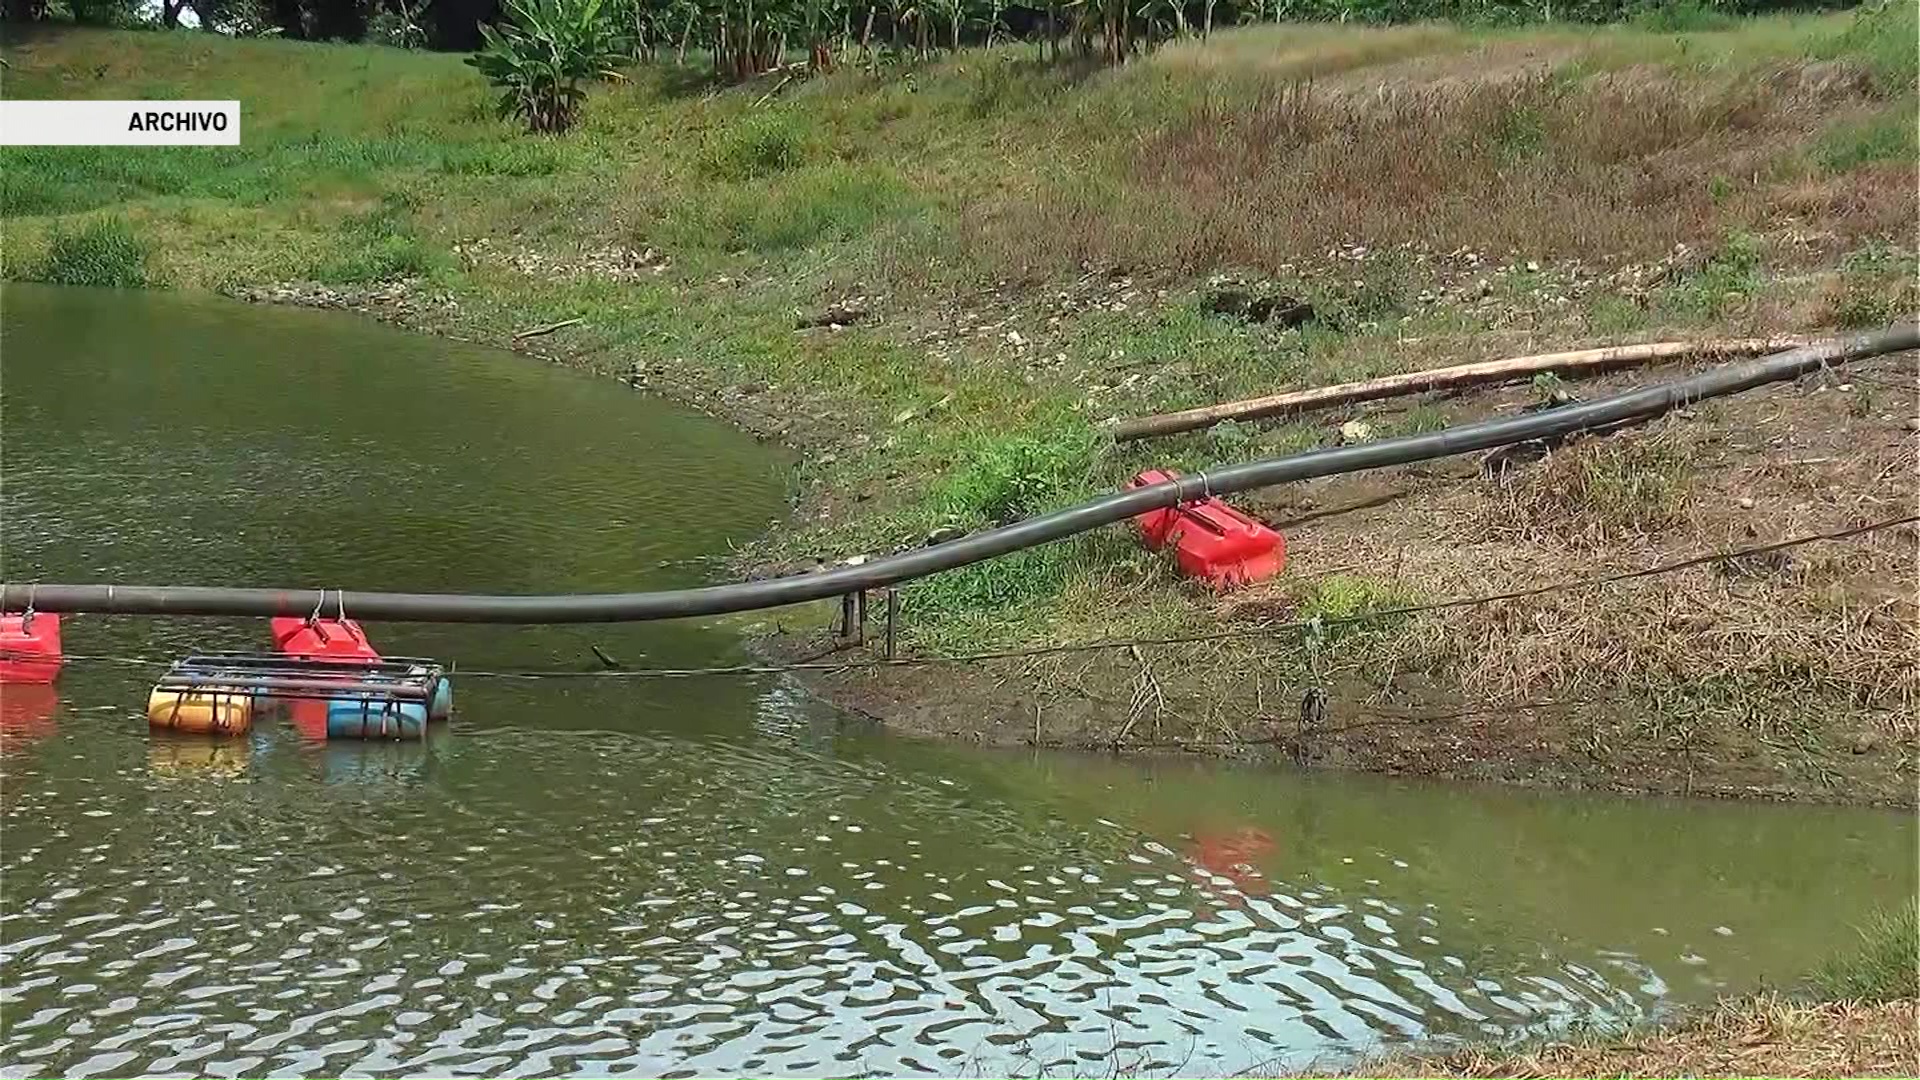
1584,361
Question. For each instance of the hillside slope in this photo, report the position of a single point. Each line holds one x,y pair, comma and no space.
938,282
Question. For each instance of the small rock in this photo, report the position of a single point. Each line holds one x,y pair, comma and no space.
1532,267
903,416
1356,431
1745,502
1865,744
1914,424
943,534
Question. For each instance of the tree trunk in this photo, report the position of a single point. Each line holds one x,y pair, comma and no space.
955,47
1206,26
1419,382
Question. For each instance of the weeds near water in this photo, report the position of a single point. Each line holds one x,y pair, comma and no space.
1007,478
105,252
1883,966
385,249
1338,604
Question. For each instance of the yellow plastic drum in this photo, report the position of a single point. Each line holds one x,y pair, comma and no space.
217,710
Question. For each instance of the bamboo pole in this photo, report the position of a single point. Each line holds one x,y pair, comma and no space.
1583,361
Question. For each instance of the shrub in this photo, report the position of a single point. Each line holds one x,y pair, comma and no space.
542,53
105,252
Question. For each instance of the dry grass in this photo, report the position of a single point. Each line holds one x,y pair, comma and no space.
1594,493
1267,174
1765,1036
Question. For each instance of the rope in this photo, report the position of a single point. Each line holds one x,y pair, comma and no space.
1267,630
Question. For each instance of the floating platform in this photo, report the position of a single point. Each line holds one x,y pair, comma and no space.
390,698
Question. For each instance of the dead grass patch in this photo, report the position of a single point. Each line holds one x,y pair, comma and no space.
1593,493
1266,175
1763,1036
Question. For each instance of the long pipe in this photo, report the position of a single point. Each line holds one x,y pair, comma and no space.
747,596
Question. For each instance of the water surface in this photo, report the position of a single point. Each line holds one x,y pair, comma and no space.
708,876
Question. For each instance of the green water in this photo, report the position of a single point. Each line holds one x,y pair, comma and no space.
713,876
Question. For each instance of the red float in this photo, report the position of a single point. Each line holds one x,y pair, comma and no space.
29,647
1211,540
322,639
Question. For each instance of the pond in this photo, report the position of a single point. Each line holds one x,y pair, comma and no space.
702,876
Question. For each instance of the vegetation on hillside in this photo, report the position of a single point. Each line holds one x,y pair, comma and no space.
542,53
939,279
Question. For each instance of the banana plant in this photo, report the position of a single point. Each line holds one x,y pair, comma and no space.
543,52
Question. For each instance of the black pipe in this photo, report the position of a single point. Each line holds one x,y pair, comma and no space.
752,595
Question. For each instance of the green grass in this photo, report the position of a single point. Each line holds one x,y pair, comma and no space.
1878,284
1729,278
1881,40
1887,136
105,252
1883,966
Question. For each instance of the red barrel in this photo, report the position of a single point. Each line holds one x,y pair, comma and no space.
322,639
29,648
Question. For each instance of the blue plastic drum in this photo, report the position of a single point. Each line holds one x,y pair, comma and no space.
368,718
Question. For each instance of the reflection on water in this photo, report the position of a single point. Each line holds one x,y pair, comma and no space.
711,877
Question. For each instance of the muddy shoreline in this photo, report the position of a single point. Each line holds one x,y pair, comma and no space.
1091,701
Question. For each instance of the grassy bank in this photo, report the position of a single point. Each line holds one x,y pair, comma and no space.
939,281
1858,1016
